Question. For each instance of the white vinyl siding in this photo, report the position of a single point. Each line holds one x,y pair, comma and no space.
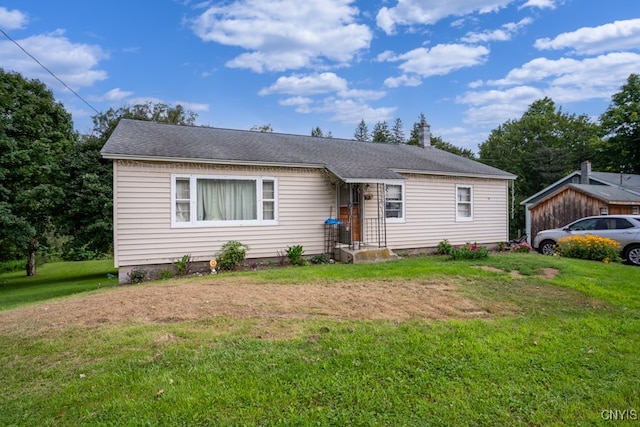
430,213
302,199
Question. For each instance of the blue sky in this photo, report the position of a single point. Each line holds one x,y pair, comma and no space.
468,65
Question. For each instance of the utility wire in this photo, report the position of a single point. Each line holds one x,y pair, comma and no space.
49,71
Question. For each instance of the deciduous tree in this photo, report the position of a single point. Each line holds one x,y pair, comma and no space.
541,147
620,150
89,193
36,139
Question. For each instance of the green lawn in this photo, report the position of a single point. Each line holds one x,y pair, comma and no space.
565,353
55,280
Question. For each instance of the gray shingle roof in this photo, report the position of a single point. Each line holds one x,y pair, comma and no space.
350,160
628,182
607,193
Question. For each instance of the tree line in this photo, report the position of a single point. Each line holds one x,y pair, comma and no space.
56,195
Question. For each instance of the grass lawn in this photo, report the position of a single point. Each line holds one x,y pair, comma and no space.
55,280
548,350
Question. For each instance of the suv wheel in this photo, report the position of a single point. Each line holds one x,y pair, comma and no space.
632,255
547,247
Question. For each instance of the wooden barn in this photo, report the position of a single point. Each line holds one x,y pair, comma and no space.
580,194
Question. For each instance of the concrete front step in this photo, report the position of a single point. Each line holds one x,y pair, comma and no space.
363,255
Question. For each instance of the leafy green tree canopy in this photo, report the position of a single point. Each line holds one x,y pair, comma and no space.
620,150
36,139
89,200
541,147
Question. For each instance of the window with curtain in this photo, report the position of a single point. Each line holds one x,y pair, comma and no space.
464,203
210,200
394,202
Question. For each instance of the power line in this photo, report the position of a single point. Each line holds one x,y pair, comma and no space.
49,71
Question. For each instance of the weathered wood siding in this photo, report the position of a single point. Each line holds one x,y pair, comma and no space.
569,205
142,211
430,213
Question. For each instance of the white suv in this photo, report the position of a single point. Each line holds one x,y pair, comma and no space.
624,229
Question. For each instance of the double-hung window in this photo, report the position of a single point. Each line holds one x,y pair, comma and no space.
200,200
394,202
464,203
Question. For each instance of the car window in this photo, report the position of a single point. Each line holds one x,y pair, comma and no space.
586,224
622,224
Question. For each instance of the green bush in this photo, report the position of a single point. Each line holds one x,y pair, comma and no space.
137,276
444,248
231,255
166,274
294,253
11,266
183,265
589,247
469,251
319,259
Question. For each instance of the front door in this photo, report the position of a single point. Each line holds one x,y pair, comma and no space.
350,211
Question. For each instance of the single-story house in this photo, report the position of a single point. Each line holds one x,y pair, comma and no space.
182,190
582,193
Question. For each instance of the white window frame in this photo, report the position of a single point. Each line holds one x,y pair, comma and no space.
193,207
403,202
459,202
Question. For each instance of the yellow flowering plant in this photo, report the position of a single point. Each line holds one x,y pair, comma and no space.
589,247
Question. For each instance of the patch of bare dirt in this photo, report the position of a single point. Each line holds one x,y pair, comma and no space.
175,302
547,273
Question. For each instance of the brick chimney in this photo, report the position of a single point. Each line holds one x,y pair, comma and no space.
424,134
585,172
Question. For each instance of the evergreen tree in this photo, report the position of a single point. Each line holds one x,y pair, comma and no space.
381,133
362,132
397,132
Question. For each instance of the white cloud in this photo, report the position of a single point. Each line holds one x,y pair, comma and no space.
12,19
615,36
598,75
114,95
496,106
439,60
504,33
427,12
349,111
302,104
540,4
74,63
285,34
312,84
564,80
404,80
